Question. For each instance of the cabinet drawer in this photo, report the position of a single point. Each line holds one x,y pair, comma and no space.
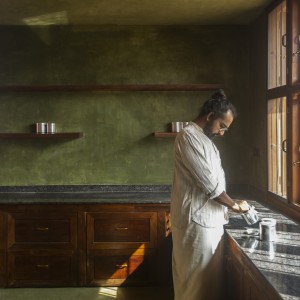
118,269
40,229
40,270
115,230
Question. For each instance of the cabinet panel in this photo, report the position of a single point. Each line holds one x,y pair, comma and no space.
234,279
119,268
3,236
41,270
115,230
39,230
253,289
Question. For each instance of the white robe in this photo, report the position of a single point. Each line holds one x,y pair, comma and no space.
197,219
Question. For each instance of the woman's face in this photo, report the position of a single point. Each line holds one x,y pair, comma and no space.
217,127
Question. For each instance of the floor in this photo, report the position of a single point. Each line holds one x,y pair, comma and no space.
99,293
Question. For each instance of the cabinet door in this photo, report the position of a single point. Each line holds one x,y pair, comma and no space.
121,230
253,290
234,278
2,249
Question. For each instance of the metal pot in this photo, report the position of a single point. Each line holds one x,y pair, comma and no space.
40,127
267,229
50,128
251,216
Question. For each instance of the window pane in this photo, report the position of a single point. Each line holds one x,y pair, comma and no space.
277,175
277,46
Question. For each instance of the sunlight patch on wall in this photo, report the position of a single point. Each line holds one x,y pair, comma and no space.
56,18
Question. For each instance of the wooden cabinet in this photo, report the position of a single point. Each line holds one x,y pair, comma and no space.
3,235
234,278
242,279
84,245
254,289
41,248
122,247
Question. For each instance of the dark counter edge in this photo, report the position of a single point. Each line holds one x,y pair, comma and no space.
87,194
86,188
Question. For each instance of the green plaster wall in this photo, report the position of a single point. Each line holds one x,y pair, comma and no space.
118,146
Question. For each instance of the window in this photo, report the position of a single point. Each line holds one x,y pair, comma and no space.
283,102
277,40
277,182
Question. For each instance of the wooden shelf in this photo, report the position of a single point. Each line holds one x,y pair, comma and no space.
110,87
24,135
165,134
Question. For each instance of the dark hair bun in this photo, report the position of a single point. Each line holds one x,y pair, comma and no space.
219,95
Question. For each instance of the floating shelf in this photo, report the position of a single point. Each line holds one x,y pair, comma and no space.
110,87
24,135
165,134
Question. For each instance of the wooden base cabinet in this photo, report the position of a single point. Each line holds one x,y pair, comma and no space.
84,245
41,248
3,263
122,247
242,280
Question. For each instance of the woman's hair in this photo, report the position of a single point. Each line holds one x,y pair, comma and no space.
218,104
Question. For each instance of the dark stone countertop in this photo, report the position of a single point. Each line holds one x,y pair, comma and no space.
278,261
85,194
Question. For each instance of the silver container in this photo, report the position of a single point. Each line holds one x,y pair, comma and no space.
251,216
176,126
50,128
267,229
40,128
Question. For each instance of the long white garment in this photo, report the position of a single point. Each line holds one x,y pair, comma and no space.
197,263
197,219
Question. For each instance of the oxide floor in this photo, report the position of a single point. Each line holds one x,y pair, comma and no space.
97,293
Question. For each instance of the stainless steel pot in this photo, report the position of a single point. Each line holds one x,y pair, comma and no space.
40,127
50,128
267,229
251,216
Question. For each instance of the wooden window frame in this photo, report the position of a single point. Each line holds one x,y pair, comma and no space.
290,205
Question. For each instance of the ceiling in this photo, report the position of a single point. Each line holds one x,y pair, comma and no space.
129,12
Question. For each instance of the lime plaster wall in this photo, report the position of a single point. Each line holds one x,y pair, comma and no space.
118,146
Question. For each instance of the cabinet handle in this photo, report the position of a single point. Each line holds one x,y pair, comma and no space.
121,228
42,266
42,228
123,266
